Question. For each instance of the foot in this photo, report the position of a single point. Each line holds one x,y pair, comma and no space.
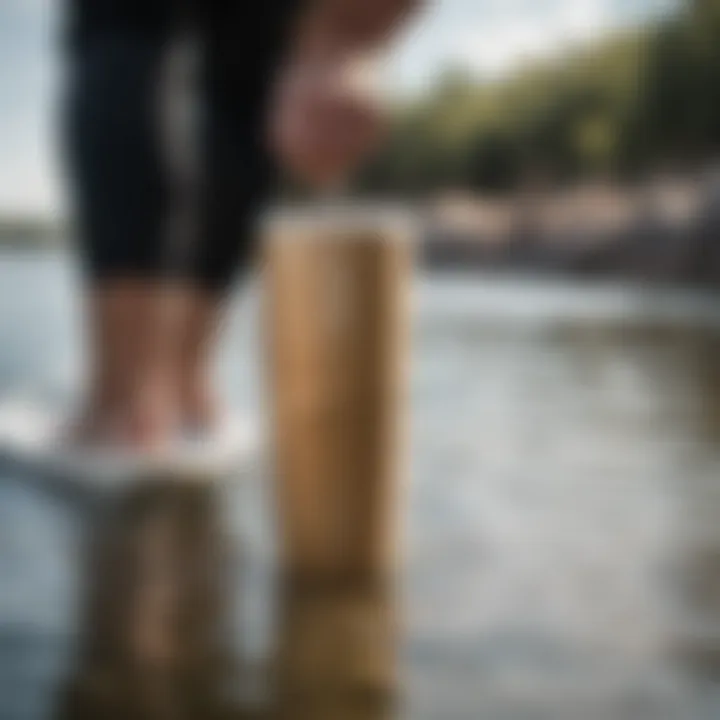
151,418
199,411
94,426
144,423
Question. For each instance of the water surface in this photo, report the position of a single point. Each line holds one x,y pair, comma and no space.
562,544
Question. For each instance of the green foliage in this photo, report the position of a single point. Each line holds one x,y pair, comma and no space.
640,99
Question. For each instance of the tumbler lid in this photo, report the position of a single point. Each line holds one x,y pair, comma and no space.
345,220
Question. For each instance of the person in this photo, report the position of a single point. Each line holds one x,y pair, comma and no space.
274,94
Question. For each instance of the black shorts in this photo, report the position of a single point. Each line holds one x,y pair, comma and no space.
136,215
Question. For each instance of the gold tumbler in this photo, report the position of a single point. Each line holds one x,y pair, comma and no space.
337,338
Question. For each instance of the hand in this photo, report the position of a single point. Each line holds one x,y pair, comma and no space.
325,121
363,23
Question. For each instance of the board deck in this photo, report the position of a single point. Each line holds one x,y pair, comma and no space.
31,438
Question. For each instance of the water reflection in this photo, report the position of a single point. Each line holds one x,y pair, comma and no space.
152,644
155,625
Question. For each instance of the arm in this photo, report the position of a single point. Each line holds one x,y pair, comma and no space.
328,117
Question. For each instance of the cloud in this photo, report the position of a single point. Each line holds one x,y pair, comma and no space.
491,37
522,31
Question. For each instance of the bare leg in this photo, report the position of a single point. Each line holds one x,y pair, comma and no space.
132,337
201,316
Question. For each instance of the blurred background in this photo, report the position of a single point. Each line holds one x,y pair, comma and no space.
562,553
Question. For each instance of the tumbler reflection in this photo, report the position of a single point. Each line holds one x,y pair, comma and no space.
336,653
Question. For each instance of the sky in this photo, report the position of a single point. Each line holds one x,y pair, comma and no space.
488,37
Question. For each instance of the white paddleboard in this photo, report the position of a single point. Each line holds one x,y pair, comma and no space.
31,438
